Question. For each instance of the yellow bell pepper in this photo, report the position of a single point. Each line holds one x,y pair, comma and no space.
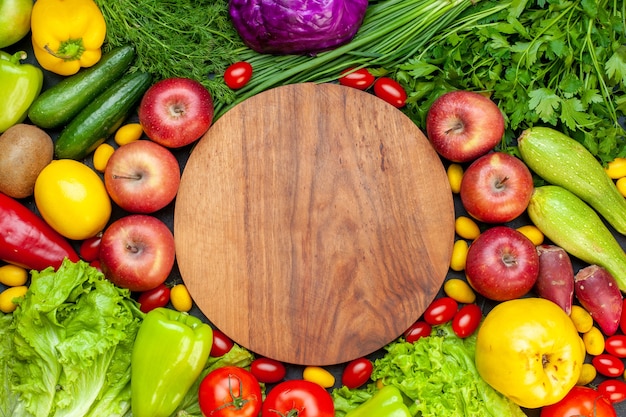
67,34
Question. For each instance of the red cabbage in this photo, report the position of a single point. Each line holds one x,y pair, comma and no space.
296,26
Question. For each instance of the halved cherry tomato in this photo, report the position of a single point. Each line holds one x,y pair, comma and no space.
221,344
357,372
613,389
391,91
418,329
580,401
298,397
90,248
230,391
616,345
608,365
360,79
466,320
440,311
238,74
268,370
156,297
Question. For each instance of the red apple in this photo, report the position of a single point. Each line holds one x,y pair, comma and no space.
463,125
175,112
496,188
142,176
502,264
137,252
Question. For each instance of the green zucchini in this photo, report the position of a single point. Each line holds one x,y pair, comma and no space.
561,160
102,117
571,224
57,105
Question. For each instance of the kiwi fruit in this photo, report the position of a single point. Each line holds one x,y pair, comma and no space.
24,151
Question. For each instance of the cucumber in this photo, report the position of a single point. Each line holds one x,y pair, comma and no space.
561,160
60,103
571,224
102,117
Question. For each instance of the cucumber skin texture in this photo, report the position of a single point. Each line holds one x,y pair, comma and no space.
102,117
571,224
60,103
561,160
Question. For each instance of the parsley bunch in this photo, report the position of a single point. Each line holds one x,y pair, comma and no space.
545,62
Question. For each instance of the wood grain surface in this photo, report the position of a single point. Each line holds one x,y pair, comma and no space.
314,223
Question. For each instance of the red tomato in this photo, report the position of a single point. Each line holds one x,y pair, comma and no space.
221,344
466,320
268,370
419,329
440,311
357,373
238,74
391,91
90,248
608,365
298,397
156,297
360,79
580,401
613,389
616,345
228,392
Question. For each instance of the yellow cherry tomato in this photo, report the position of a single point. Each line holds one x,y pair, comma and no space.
319,376
128,133
459,255
466,228
13,275
180,298
621,186
533,233
459,290
594,341
71,198
9,295
581,318
587,374
455,175
616,168
101,156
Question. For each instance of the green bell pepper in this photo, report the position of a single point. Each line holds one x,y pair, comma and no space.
170,351
386,402
20,85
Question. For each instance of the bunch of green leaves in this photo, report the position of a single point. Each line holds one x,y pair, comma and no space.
176,38
545,62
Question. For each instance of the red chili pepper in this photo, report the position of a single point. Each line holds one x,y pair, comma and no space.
27,240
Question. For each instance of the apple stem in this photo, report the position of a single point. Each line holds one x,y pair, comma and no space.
502,182
132,248
126,177
509,260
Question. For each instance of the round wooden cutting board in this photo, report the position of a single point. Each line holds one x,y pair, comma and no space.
314,224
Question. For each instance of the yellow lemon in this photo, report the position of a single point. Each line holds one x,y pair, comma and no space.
71,198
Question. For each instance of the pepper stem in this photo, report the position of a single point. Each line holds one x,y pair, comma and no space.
69,50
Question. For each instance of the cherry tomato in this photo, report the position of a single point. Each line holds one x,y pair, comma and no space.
580,401
360,79
616,345
298,397
418,329
357,372
156,297
613,389
90,248
391,91
440,311
221,344
466,320
608,365
268,370
228,392
238,74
